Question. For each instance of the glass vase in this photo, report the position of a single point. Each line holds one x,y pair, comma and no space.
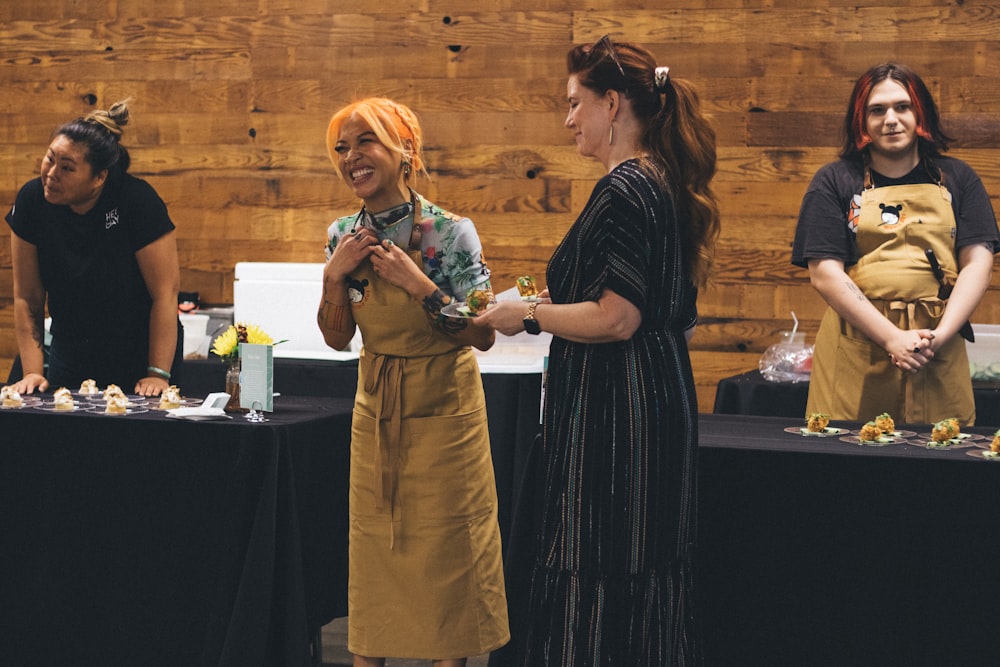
233,386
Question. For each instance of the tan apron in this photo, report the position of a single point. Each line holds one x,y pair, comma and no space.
852,377
426,575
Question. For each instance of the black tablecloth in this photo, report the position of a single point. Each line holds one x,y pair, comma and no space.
512,405
819,552
145,540
750,394
148,541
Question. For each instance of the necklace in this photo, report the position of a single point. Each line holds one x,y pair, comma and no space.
387,224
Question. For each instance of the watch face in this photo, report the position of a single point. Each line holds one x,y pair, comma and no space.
531,326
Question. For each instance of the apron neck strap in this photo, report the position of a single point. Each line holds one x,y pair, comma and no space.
935,172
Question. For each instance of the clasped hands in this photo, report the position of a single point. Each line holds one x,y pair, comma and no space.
911,350
388,260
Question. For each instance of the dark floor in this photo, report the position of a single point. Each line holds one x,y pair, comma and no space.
335,653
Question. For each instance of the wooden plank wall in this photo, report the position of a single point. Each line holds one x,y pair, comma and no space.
232,97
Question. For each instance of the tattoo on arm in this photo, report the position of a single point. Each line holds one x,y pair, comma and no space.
38,325
333,316
449,325
857,291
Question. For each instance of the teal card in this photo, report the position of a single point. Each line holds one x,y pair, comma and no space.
257,377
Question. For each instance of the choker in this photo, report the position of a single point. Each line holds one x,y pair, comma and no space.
389,217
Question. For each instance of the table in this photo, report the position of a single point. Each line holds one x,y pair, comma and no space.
512,405
750,394
818,552
145,540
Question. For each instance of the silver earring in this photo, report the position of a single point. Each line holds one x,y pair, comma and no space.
611,137
406,169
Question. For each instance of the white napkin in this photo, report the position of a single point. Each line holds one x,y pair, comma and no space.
200,413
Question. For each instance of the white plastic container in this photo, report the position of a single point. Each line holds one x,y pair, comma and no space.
196,339
984,354
282,299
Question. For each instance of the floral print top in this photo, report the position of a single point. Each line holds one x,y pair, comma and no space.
449,244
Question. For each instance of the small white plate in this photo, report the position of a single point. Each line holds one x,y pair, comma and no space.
49,407
103,410
825,433
455,309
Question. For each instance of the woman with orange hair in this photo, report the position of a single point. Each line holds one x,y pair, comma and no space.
426,578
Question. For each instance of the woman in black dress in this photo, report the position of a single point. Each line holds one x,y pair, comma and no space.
606,576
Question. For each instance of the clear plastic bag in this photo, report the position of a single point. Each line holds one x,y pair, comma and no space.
789,360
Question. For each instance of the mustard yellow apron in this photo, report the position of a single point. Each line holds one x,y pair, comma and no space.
852,377
426,575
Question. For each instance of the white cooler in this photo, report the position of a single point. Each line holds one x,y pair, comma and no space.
282,298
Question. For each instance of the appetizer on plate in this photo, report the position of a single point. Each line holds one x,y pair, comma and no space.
885,423
10,398
170,398
870,432
945,430
817,422
62,399
526,286
478,300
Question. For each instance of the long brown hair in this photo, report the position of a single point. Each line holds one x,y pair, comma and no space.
678,139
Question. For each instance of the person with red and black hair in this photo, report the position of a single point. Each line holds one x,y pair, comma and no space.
899,241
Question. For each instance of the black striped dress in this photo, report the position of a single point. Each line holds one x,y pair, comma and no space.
610,576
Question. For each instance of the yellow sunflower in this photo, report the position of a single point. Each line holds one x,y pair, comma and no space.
226,345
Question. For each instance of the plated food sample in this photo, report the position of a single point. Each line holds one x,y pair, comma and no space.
89,387
945,430
885,423
113,390
170,398
478,300
870,432
10,398
116,404
994,451
62,399
947,434
817,422
526,287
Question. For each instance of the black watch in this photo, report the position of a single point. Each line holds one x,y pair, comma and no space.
530,323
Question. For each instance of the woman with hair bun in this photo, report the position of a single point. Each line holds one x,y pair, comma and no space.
94,244
599,564
426,575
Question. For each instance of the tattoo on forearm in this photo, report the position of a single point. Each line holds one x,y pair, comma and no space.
857,291
333,316
449,325
38,325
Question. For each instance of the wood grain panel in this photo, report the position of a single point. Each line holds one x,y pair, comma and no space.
232,98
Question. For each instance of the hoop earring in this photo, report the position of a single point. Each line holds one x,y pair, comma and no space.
611,136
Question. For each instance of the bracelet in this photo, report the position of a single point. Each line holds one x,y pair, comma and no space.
153,370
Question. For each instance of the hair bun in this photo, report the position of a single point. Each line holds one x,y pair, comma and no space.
113,120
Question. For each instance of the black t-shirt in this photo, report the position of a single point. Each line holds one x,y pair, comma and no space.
823,231
95,290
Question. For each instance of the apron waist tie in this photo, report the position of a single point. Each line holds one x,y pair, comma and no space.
930,313
384,382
